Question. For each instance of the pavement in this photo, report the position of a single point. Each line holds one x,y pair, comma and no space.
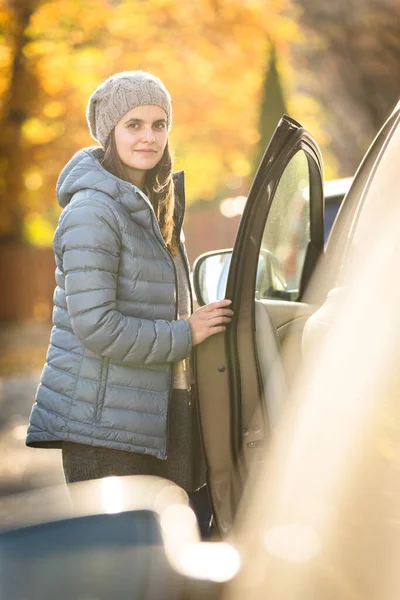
23,349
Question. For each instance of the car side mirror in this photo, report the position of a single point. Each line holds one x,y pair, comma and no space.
210,274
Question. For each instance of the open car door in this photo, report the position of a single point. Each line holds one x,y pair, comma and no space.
242,375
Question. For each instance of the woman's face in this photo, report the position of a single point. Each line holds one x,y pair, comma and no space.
140,138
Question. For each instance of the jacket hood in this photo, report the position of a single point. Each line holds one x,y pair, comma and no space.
84,171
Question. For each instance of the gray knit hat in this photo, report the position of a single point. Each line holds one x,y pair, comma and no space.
120,93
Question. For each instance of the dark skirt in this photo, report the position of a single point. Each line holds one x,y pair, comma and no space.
184,465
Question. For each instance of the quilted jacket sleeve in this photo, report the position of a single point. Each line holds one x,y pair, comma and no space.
90,246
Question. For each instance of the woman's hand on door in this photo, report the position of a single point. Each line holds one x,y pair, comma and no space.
209,320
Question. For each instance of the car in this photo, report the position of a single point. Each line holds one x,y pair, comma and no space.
299,411
240,396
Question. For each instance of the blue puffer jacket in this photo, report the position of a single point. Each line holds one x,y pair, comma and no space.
107,377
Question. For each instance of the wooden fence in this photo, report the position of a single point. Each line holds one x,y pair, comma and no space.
27,282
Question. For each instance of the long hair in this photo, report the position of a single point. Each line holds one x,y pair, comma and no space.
159,185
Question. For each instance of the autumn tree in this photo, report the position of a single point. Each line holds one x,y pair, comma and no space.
272,105
20,100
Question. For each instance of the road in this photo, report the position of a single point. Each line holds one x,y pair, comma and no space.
22,468
22,354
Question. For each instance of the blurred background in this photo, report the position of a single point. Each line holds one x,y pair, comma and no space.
233,67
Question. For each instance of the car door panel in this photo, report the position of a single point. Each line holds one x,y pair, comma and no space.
233,370
213,392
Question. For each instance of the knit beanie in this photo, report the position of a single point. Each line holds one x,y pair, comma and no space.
119,94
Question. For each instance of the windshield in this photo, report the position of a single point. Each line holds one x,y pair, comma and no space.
382,193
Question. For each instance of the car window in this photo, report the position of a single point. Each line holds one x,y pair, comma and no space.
286,234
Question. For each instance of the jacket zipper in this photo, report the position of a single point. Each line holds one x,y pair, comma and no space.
102,390
160,240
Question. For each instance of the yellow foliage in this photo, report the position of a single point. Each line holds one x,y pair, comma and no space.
5,56
241,166
33,180
202,171
54,109
38,230
36,131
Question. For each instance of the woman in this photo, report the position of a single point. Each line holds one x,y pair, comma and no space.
115,390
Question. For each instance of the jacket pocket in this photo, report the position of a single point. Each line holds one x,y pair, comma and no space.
103,386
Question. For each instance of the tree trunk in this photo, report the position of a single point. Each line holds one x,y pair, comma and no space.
20,100
349,62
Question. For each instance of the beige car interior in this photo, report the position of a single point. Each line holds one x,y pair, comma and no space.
281,322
